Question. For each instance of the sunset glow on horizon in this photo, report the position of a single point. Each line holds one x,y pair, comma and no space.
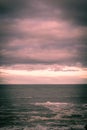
43,42
67,74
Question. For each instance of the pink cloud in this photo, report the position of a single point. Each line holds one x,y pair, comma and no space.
46,29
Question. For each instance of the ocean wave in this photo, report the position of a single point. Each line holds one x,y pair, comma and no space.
49,104
41,127
85,105
54,106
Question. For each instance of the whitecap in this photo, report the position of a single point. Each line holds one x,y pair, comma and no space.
38,127
54,106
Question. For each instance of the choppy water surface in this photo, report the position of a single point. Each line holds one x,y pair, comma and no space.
43,107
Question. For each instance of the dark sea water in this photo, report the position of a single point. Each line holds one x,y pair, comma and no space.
43,107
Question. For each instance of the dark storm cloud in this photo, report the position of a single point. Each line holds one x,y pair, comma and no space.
7,33
46,57
11,8
75,11
22,9
82,53
72,11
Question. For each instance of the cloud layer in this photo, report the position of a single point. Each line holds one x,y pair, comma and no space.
43,33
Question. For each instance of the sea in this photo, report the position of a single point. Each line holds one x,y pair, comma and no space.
43,107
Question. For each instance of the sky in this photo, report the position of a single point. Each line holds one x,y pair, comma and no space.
43,42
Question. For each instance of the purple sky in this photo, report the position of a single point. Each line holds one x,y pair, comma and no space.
43,41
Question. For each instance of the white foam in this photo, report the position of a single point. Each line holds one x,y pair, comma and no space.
40,127
54,106
51,103
38,118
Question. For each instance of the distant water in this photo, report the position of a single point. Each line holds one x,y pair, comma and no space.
43,107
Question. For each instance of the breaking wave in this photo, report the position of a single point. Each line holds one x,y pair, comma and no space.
54,106
40,127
